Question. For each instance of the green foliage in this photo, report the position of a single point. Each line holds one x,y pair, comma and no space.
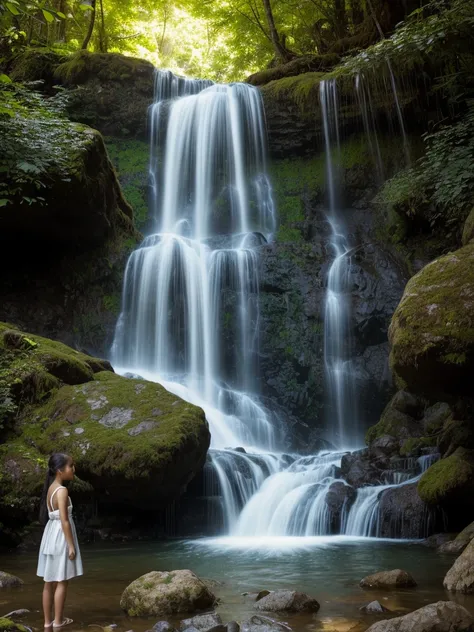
438,33
439,188
7,403
35,142
130,159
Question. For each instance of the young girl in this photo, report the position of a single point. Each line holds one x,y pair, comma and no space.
59,556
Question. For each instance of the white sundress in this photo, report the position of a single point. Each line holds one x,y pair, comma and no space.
54,564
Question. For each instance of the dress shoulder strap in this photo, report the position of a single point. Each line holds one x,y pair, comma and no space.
52,496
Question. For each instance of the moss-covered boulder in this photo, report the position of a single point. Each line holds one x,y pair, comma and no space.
135,444
33,367
396,423
450,483
298,66
35,64
113,92
131,439
432,330
159,593
81,203
7,625
61,200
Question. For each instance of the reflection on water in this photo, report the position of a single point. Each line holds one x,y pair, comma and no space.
326,568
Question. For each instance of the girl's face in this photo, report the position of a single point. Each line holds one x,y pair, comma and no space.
68,471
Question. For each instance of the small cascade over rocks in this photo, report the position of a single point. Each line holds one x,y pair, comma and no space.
190,316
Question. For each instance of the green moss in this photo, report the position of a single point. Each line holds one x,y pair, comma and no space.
112,303
105,410
105,66
130,159
302,89
6,625
294,67
449,480
414,445
432,331
294,181
33,64
395,424
33,367
57,359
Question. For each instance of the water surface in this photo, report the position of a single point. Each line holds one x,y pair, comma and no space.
328,568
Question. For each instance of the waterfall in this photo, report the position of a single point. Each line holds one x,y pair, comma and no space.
196,278
339,369
190,314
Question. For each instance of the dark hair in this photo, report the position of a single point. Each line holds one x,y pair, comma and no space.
56,462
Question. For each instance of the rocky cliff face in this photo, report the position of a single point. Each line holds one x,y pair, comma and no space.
66,231
293,294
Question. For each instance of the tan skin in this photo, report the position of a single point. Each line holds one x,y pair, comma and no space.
55,592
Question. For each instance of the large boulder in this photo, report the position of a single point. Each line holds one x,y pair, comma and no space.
388,580
432,330
63,202
359,469
158,593
287,601
81,204
450,483
399,420
113,91
403,514
455,433
443,616
460,577
135,443
131,439
339,498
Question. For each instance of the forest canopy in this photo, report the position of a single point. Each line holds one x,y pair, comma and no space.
224,40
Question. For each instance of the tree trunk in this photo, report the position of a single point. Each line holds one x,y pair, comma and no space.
62,7
340,24
90,29
280,50
357,13
103,45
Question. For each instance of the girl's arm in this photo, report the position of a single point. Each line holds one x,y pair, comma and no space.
63,496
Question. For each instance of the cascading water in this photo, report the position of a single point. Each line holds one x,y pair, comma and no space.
186,285
190,310
339,370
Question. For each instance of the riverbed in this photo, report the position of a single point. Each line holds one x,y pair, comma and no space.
327,568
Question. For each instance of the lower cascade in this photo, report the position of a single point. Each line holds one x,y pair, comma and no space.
190,315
